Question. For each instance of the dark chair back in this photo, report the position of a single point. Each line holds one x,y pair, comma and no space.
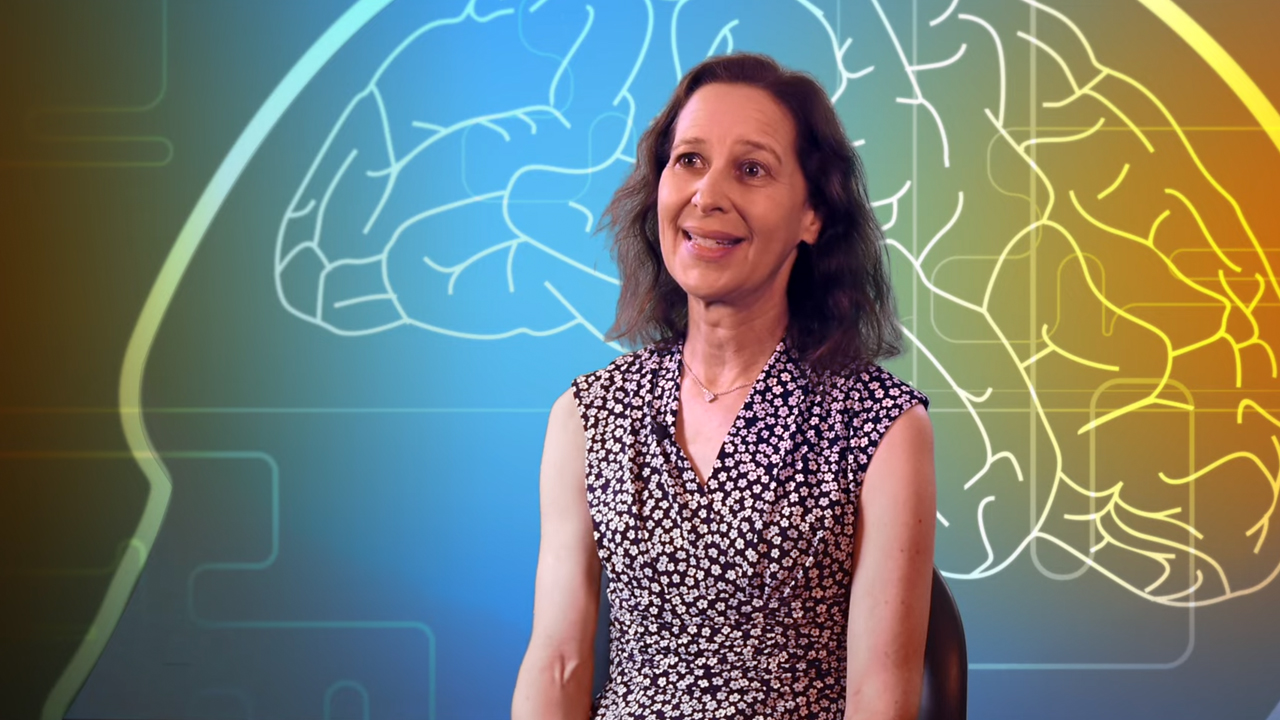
945,691
945,694
602,639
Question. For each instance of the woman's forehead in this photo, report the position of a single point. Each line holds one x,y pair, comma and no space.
722,113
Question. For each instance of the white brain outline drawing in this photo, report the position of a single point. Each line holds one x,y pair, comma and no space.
434,209
379,236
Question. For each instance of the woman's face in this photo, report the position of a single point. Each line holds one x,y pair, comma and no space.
732,201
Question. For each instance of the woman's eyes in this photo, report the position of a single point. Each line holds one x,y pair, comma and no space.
687,160
750,169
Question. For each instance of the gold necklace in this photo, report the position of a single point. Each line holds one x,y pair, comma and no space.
706,393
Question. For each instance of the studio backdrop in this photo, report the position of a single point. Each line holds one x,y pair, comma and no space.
335,392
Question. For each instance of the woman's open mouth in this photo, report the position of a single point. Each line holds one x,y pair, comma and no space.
710,242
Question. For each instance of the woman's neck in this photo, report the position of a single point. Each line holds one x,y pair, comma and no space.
728,347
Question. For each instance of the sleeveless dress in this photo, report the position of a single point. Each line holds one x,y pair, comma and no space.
730,600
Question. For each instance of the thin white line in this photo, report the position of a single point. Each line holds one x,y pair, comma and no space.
599,335
497,128
295,214
725,34
359,300
944,230
999,56
590,218
937,119
941,64
893,198
555,81
947,13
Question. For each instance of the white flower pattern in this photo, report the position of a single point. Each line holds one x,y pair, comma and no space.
730,599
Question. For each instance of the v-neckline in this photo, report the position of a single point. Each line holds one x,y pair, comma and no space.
671,409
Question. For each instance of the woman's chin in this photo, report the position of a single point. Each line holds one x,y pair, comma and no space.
707,286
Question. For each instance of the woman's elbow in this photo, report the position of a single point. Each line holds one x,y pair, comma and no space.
553,685
887,696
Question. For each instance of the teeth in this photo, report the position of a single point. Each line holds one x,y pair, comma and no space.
708,242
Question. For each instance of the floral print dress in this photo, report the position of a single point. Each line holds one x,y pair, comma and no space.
730,599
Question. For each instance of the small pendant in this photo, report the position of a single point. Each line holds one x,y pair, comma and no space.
708,395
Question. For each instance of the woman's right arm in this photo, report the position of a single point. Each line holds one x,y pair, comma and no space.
555,678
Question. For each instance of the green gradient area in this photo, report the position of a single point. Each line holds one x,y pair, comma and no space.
144,334
152,159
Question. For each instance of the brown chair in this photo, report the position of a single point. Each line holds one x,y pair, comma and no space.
945,694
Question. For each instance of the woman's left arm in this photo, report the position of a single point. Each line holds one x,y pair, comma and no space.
893,573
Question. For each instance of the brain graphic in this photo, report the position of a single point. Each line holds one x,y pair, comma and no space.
458,195
1147,340
1092,305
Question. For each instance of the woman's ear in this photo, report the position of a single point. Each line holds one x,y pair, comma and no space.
810,225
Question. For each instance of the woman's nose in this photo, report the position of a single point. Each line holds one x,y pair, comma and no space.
710,195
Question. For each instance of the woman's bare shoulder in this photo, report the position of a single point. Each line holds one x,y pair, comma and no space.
565,431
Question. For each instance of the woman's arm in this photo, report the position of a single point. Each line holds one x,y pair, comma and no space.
555,677
893,573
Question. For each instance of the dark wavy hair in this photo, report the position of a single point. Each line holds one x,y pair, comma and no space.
839,298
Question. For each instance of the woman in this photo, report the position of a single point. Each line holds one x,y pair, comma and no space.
760,493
